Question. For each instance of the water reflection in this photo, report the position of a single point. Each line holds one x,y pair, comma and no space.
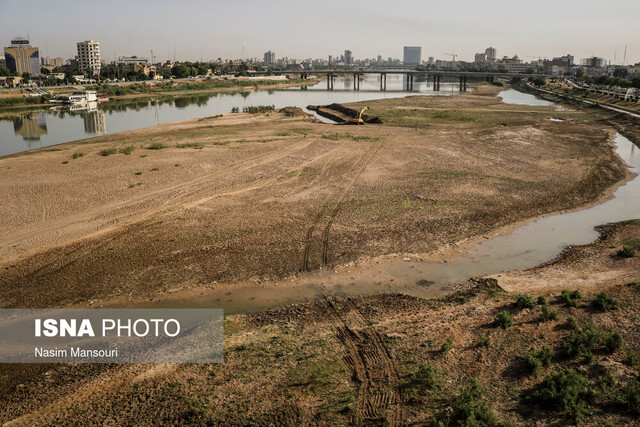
94,121
30,126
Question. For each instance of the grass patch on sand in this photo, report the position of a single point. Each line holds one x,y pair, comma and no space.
127,150
196,145
107,152
157,146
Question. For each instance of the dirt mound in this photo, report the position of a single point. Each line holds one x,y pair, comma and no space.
341,114
293,112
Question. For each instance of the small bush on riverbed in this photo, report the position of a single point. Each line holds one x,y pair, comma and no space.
537,359
108,151
257,109
484,341
581,343
524,301
156,146
77,154
196,145
426,378
548,313
570,298
470,408
446,346
613,342
626,252
503,320
567,391
127,150
605,302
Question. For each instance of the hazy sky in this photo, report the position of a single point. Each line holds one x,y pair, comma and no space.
302,29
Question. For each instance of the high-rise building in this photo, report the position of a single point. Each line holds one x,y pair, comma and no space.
480,57
21,57
52,62
348,57
491,53
3,63
412,55
89,57
432,60
269,57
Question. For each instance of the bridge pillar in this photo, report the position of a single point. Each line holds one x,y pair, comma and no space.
465,83
461,80
383,81
329,81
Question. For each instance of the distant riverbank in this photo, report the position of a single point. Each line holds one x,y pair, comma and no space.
145,90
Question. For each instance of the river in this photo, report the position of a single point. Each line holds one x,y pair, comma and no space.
45,127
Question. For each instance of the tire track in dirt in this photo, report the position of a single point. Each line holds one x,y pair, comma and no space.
334,213
374,370
366,157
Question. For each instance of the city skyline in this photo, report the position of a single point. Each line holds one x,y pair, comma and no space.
304,30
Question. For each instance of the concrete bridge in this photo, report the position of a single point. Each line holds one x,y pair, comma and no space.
435,75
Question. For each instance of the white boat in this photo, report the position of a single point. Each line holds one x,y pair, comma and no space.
78,97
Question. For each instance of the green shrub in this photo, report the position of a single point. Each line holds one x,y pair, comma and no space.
632,359
570,298
196,145
426,378
156,146
537,359
524,301
542,300
256,109
108,152
470,408
548,313
626,252
580,343
632,397
235,110
572,323
567,391
613,342
605,302
503,319
484,341
65,162
127,150
77,154
446,346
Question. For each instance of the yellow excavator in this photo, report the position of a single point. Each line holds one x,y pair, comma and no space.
358,120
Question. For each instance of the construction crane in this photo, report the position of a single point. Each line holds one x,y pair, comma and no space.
454,55
358,120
